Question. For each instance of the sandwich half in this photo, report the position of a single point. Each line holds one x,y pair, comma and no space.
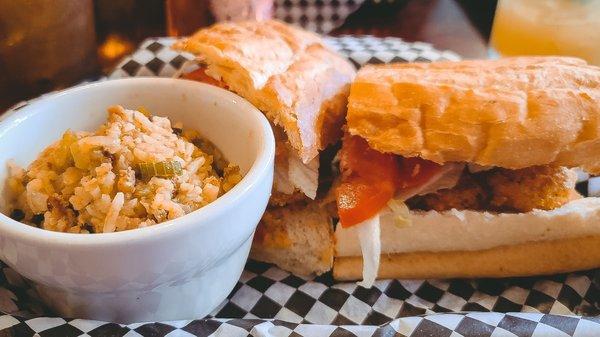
465,169
302,87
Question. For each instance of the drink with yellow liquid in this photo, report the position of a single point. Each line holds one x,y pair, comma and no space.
548,27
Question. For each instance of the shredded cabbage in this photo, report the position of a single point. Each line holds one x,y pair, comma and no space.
163,169
369,236
369,233
398,213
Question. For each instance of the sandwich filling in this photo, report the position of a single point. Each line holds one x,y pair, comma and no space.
375,184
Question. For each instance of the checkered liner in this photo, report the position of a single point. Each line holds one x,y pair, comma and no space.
155,58
268,301
320,16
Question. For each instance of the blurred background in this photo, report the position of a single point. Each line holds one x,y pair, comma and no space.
51,44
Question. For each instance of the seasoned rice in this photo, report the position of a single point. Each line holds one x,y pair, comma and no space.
93,182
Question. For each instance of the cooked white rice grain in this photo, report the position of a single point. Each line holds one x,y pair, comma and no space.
90,183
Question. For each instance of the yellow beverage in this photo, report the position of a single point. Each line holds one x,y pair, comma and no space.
548,27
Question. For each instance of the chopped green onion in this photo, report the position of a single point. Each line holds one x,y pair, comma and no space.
163,169
209,148
400,213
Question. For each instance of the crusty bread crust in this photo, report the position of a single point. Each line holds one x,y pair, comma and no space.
534,258
512,113
297,238
286,72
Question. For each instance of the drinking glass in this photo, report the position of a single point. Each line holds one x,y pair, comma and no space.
548,27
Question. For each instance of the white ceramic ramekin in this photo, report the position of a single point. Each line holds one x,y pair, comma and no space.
180,269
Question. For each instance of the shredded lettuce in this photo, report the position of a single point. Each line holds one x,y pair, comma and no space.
369,233
369,236
398,212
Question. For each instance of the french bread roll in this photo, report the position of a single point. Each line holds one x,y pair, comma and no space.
287,73
297,238
512,112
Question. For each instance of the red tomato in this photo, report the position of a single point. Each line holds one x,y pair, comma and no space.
359,200
201,76
359,160
371,178
368,181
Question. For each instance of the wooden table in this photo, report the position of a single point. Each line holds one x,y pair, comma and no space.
443,23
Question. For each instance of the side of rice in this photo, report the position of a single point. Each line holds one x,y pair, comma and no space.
92,182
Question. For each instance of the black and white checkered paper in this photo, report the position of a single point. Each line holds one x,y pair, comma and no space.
156,58
320,16
269,302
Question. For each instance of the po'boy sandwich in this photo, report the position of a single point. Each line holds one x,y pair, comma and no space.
302,88
464,169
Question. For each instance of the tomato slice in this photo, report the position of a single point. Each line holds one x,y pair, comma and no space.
201,76
368,181
371,178
357,159
359,200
